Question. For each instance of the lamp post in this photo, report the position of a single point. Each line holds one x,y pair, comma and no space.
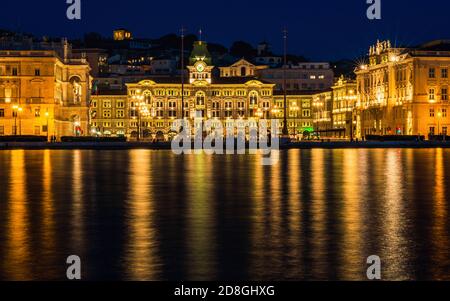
46,116
15,109
285,127
20,121
439,123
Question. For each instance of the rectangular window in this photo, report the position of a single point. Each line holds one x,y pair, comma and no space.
2,130
37,112
44,128
2,113
120,113
444,130
37,72
444,112
431,73
432,130
107,104
444,73
107,113
14,72
444,94
431,95
431,112
37,130
120,104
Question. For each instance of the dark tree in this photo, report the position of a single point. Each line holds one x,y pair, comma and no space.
242,49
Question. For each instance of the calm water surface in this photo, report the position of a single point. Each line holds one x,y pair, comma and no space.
152,215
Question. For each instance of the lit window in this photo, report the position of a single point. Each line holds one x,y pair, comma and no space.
431,73
431,95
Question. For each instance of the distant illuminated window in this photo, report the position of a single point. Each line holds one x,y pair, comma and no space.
432,73
431,95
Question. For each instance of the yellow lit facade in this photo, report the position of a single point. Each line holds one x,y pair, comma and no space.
42,94
344,99
122,34
403,91
153,104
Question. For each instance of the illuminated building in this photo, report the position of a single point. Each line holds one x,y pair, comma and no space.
404,91
122,35
300,77
43,94
154,103
344,99
322,103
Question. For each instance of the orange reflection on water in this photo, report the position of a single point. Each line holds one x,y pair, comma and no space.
200,219
48,224
18,249
440,242
354,180
77,212
395,250
318,214
141,258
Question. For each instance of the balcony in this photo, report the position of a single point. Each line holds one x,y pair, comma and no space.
34,101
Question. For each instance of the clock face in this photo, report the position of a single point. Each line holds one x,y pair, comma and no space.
200,67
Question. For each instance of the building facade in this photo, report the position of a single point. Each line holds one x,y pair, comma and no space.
322,104
300,77
154,103
344,100
43,94
404,91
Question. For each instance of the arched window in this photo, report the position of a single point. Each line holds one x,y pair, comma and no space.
253,98
147,97
200,99
76,89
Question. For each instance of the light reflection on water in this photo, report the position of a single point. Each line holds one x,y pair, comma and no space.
152,215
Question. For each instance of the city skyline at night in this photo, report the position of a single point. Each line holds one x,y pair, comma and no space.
224,149
321,30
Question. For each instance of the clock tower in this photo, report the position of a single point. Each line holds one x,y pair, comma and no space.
200,64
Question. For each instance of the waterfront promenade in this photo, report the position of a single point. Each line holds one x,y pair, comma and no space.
167,145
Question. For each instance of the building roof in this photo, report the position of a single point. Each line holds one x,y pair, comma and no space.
236,80
300,92
101,91
437,45
200,50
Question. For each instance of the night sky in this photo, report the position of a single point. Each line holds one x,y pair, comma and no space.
319,29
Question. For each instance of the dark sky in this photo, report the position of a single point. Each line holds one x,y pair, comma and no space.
318,29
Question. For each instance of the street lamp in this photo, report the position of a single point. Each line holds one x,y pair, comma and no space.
439,119
47,115
20,121
17,109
